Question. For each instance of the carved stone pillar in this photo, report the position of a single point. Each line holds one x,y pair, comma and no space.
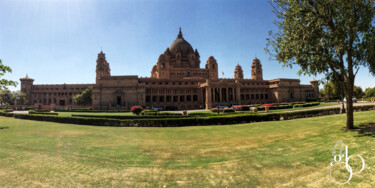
238,95
220,94
208,98
227,94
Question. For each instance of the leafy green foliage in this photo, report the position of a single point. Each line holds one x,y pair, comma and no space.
43,112
333,37
306,104
149,112
4,82
229,110
358,92
332,90
370,92
85,98
12,98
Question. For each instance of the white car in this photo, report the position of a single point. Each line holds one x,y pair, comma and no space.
354,99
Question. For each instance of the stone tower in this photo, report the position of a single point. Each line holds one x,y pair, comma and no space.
211,65
238,73
26,86
256,70
315,85
102,67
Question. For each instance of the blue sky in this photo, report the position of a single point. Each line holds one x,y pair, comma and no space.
57,41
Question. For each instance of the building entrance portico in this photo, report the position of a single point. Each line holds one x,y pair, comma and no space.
220,92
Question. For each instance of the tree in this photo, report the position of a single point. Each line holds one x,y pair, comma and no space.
331,89
18,98
331,37
85,98
6,97
12,98
370,92
4,82
358,92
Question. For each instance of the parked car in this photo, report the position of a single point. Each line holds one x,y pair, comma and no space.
156,108
354,99
171,108
221,106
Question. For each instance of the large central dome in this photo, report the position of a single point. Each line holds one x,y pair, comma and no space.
181,45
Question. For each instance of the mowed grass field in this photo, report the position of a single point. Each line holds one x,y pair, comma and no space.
293,153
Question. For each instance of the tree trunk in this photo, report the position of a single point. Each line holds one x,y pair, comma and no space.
350,90
349,99
349,109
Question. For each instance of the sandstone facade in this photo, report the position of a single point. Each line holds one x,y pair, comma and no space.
177,82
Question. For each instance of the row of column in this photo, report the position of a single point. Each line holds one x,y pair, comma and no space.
217,94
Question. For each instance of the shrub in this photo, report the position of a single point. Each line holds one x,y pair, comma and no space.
306,104
88,110
215,110
42,112
128,117
280,107
229,110
6,114
149,112
201,113
241,108
170,113
136,110
261,108
312,100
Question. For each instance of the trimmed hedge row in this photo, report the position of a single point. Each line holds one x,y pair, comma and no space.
185,121
87,110
306,104
6,114
128,117
43,113
8,110
204,113
159,122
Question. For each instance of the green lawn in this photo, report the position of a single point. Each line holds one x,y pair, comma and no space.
294,153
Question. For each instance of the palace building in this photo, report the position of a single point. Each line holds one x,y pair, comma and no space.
177,81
